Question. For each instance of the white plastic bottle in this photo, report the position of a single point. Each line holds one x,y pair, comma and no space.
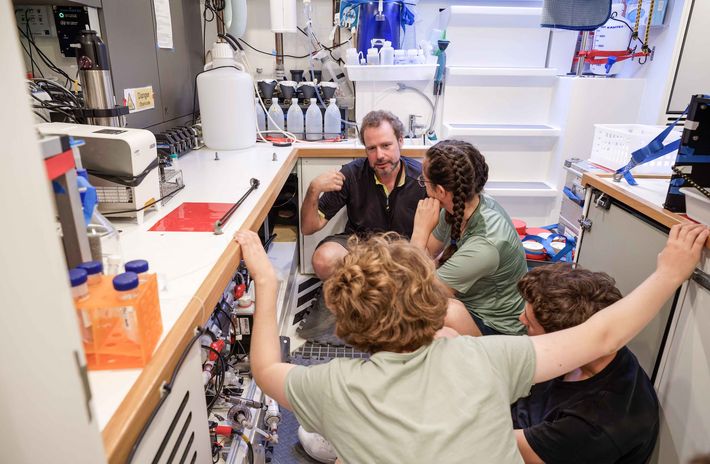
226,96
314,122
275,122
295,119
387,53
331,128
260,116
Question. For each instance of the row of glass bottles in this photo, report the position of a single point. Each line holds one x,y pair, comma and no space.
315,127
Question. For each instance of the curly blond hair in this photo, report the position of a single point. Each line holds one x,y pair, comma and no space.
386,296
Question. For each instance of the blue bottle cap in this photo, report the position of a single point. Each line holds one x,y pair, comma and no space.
125,281
92,267
77,276
137,266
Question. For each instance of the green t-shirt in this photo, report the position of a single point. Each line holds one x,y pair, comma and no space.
487,266
446,402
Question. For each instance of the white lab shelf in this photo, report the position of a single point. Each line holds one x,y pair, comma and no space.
500,130
397,72
522,73
520,189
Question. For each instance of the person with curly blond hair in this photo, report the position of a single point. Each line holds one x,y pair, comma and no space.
422,399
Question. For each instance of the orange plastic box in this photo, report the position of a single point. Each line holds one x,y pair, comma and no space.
122,333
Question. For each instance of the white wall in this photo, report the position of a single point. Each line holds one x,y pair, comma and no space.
41,383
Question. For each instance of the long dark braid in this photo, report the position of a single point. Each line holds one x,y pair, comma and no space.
460,169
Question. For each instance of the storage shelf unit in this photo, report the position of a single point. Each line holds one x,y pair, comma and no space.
474,71
520,189
397,72
500,130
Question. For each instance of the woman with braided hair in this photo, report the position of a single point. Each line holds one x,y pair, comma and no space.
479,253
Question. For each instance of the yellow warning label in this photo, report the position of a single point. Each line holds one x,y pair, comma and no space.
139,99
144,98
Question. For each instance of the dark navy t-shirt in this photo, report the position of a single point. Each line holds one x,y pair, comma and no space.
370,210
609,418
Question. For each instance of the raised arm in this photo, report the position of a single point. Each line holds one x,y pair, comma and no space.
611,328
265,354
425,221
311,219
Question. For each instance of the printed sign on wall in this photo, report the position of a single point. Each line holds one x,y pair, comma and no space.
139,99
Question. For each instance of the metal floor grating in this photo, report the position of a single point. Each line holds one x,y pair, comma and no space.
289,450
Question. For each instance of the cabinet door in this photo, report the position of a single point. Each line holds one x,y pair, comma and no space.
683,381
130,37
624,244
309,169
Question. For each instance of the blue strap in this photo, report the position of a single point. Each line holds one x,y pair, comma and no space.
653,150
564,255
573,196
89,199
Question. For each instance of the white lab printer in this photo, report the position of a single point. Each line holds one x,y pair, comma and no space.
122,165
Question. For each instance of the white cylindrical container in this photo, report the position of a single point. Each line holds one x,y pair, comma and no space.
612,36
295,119
275,121
331,126
387,53
284,15
400,57
314,122
260,115
373,56
412,56
226,96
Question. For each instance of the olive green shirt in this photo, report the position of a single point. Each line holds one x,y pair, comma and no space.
447,402
487,266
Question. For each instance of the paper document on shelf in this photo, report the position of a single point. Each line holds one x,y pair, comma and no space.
163,23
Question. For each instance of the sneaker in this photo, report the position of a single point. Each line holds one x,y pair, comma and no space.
319,324
316,446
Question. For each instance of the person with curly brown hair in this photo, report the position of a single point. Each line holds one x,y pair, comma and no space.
479,252
605,411
418,399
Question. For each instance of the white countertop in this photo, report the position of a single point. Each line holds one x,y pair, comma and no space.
183,260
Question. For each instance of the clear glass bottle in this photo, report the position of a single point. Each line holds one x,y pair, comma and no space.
126,286
139,266
104,241
94,270
78,278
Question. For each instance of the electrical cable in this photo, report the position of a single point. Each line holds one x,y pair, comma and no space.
219,375
272,54
47,61
166,389
41,116
110,213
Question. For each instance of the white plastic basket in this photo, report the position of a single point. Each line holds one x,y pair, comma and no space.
614,143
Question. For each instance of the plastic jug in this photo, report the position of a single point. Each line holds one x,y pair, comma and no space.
314,122
295,120
226,96
331,128
260,116
275,122
387,53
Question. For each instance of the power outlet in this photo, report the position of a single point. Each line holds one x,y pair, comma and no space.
38,18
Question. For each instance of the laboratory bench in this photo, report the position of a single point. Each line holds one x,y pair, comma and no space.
624,228
194,268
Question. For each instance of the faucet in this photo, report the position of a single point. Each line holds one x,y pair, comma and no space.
413,126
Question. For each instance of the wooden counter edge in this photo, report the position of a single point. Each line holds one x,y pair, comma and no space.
123,428
655,212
